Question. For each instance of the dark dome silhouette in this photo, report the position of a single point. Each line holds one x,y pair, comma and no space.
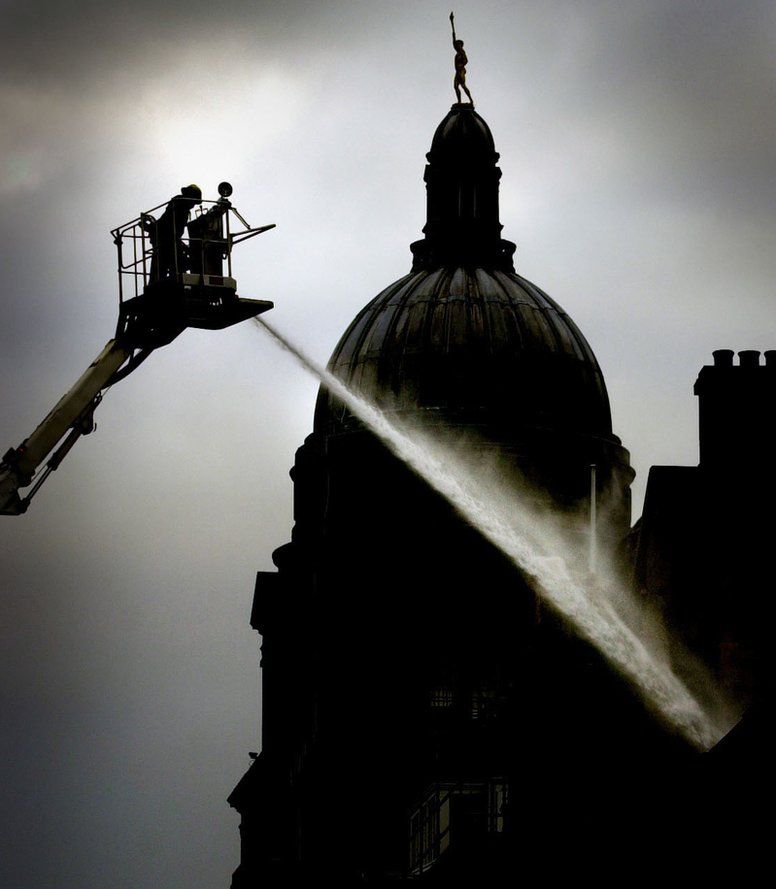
477,346
464,342
462,131
463,339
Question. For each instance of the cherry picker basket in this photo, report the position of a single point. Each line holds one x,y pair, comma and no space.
175,269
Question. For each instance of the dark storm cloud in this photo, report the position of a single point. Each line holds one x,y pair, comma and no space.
46,40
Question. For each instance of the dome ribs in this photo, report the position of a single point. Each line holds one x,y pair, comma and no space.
581,342
475,343
484,297
347,350
396,335
548,317
476,338
515,331
390,305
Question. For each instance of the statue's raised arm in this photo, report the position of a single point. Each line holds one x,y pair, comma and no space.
452,25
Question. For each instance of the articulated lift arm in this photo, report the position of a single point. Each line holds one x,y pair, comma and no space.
191,290
71,417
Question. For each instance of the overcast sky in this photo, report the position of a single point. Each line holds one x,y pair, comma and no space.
638,149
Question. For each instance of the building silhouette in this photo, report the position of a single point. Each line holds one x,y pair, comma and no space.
702,546
424,718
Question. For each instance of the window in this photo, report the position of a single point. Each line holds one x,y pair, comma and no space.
453,812
497,800
441,698
430,829
484,704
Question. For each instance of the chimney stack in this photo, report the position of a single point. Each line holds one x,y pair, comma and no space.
737,414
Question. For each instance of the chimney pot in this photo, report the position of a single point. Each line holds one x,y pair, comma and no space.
723,358
749,358
770,358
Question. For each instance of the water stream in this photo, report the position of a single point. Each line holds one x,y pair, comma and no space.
537,546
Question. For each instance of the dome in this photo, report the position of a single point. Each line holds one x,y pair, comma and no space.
464,342
462,132
474,346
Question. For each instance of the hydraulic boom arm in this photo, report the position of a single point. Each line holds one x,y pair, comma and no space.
70,418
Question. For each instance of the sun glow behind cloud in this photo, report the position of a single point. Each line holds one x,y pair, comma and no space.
207,113
208,117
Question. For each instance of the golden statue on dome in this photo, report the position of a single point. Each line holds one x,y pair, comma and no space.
459,81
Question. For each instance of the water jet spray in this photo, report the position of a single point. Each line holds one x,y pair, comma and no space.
517,534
